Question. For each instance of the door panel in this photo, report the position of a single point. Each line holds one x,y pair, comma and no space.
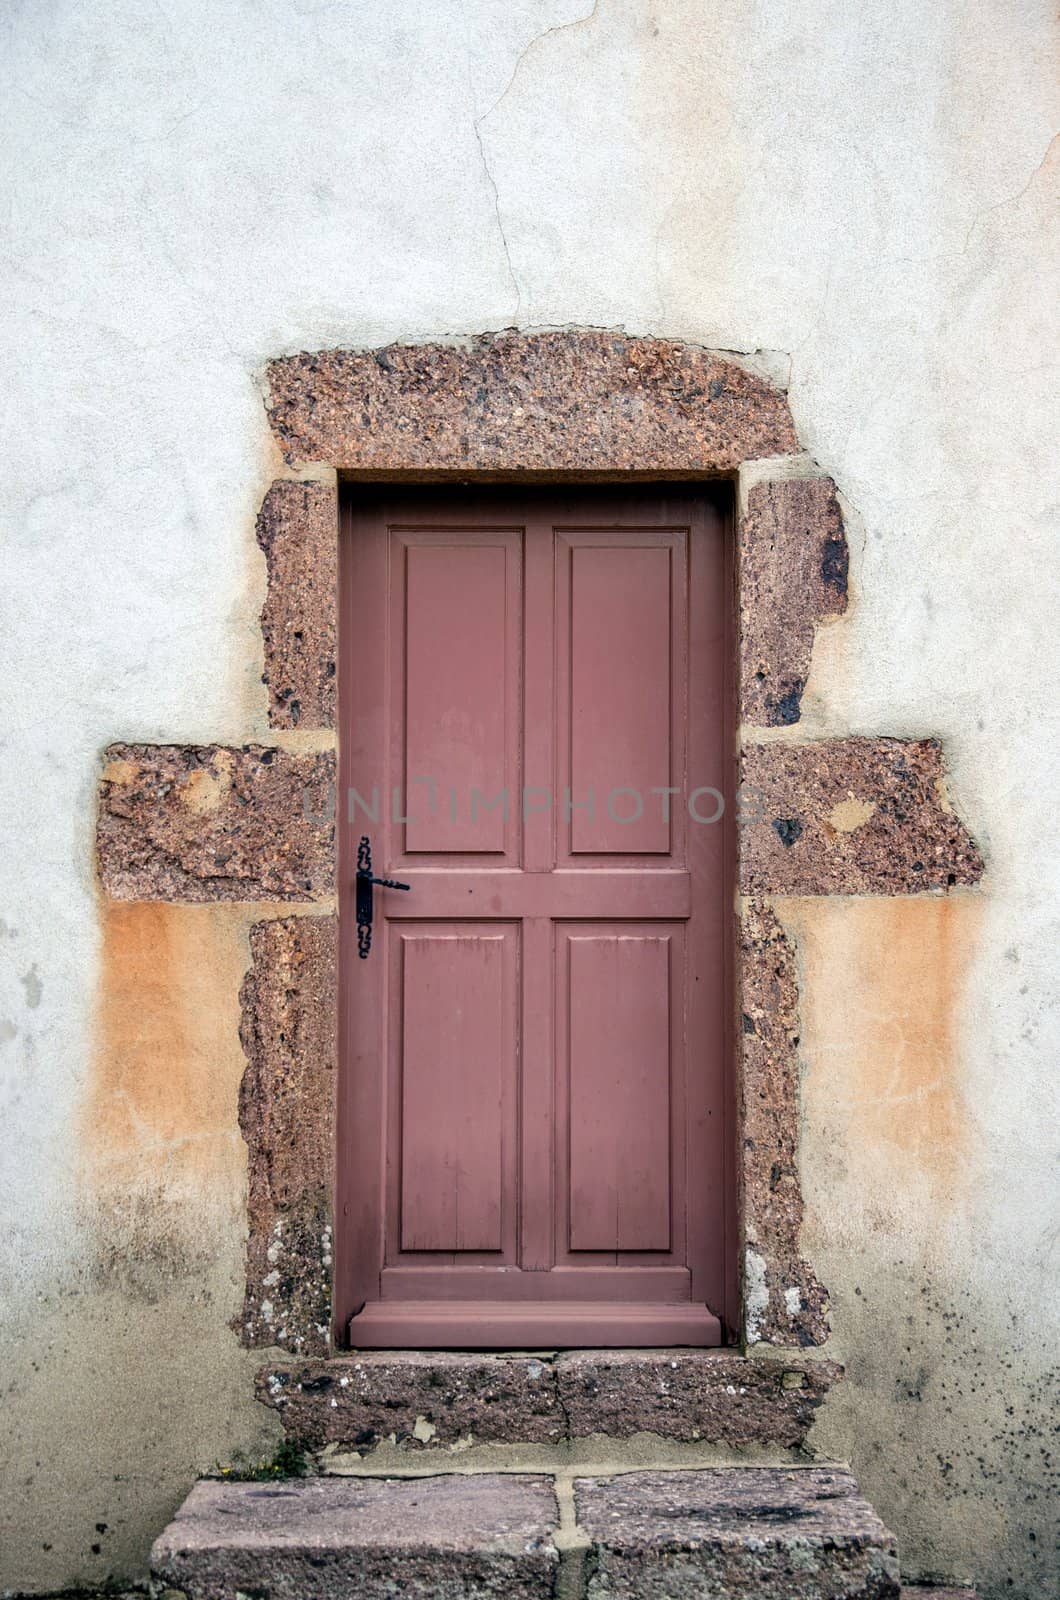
619,697
621,617
532,1096
458,1061
456,638
618,1065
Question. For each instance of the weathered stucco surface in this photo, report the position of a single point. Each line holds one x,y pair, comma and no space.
197,190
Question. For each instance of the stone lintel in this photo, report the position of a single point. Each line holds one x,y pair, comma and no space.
850,816
213,822
512,404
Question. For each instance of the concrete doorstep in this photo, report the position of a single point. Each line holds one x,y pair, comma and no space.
756,1533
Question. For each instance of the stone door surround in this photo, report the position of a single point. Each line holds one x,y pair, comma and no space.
843,816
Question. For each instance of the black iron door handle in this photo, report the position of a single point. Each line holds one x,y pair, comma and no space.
366,881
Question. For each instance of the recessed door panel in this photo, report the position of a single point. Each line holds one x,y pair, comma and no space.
621,692
619,1070
620,648
458,1063
457,630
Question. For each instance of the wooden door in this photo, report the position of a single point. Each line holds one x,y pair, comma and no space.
532,1096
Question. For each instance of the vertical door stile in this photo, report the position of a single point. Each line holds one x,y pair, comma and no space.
537,1086
708,720
360,1100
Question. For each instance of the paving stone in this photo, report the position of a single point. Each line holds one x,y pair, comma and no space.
450,1538
757,1533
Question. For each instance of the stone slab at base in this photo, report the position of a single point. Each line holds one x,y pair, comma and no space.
363,1539
715,1397
735,1533
761,1532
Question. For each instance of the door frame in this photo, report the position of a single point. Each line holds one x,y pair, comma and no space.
249,827
577,406
352,1215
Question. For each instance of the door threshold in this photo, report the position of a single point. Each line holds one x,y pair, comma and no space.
492,1325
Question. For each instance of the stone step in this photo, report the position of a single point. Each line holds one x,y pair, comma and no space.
427,1402
771,1533
339,1538
750,1533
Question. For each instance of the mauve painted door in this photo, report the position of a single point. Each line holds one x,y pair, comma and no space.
532,1142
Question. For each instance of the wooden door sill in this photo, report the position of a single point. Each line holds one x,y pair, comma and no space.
493,1325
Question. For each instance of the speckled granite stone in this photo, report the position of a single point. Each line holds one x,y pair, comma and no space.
198,823
430,1401
515,403
287,1117
784,1533
713,1396
297,529
357,1401
363,1539
792,554
784,1304
850,816
932,1592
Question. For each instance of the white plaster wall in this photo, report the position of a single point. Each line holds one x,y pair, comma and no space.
194,186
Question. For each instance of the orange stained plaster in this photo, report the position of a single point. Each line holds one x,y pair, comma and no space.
162,1100
883,985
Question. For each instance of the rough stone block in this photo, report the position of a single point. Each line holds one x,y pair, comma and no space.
513,403
298,531
771,1533
793,573
701,1395
363,1539
199,823
930,1591
784,1304
287,1116
851,816
423,1400
427,1401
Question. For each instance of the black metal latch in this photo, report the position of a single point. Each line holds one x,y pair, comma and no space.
365,880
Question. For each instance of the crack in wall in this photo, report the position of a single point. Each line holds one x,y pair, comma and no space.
491,180
476,123
1011,199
